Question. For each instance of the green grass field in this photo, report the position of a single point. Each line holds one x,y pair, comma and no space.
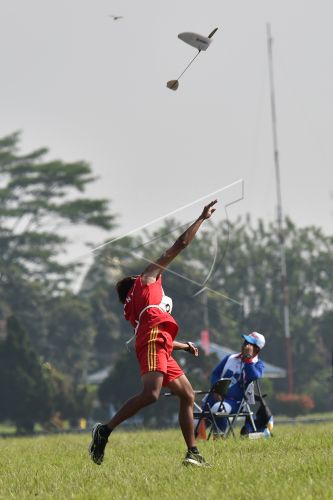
297,463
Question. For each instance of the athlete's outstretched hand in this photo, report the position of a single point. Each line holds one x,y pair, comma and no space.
151,273
208,210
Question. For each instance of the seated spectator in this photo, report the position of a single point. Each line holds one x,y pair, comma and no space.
242,368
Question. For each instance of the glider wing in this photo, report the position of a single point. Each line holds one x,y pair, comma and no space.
198,41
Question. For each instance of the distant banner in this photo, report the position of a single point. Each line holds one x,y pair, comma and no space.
205,341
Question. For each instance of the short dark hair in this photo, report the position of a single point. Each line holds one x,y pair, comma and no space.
123,287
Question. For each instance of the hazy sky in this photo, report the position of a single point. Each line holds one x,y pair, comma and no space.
90,88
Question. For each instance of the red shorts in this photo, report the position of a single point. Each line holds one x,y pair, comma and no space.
153,350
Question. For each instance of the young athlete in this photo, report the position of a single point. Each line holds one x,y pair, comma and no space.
149,312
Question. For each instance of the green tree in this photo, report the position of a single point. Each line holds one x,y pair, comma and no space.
37,197
251,271
70,335
71,401
25,391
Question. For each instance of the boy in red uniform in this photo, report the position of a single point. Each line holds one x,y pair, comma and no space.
148,310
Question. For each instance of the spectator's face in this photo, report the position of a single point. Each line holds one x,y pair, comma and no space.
248,348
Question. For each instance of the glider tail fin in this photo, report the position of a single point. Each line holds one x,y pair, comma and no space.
212,33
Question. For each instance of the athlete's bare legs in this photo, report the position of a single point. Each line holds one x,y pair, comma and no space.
152,384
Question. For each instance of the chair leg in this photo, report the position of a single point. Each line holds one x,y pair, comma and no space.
197,426
201,417
230,427
252,420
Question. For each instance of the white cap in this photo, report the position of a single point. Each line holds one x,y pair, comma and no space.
255,338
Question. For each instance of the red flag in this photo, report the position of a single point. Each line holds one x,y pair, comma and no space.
205,342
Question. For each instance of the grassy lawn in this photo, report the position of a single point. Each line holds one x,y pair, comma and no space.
297,463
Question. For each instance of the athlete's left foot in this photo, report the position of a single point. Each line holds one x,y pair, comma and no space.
97,445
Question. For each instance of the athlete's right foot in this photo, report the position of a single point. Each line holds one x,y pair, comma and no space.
195,459
97,445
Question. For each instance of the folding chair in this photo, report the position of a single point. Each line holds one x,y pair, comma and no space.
205,413
244,410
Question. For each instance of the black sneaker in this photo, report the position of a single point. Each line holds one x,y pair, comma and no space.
194,459
97,445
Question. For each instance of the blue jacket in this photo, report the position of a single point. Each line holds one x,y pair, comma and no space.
241,374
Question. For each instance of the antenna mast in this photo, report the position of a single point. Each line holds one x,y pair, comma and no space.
284,281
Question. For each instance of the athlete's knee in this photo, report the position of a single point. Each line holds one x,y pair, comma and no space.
154,395
150,397
191,396
187,395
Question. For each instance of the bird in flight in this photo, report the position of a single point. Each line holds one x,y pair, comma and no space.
115,18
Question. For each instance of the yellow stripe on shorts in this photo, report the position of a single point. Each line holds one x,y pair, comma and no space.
152,349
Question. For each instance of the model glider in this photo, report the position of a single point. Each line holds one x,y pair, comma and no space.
197,41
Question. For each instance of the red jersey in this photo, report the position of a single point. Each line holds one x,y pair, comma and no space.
138,298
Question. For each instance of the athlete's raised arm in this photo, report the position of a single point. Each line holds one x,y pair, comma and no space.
154,269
